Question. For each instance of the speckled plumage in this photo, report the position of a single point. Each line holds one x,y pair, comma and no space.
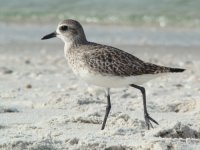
108,60
104,65
104,60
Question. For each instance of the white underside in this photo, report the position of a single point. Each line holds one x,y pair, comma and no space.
113,81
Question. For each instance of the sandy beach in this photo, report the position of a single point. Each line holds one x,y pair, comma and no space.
44,106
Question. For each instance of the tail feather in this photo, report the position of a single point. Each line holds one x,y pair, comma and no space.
154,69
176,70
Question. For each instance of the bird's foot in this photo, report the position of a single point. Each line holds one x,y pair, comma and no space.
148,120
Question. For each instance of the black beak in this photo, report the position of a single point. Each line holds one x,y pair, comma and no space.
48,36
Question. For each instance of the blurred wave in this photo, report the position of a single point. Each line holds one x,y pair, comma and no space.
138,12
12,34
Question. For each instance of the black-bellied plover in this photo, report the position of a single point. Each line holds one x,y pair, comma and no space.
104,65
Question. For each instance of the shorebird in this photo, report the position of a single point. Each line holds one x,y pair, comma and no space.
106,66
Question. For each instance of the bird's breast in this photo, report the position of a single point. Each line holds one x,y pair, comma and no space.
75,62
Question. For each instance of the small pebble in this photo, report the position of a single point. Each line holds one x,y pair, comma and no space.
8,71
28,86
27,61
179,85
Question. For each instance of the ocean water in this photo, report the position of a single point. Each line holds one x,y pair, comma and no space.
178,13
18,34
118,22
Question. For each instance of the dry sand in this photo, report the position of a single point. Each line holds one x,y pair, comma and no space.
44,106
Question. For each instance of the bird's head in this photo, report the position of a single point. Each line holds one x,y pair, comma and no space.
69,31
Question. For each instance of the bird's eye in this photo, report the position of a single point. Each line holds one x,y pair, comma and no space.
64,28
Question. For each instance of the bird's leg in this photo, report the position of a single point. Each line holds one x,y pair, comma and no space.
108,107
147,118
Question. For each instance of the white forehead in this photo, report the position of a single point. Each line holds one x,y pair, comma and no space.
62,25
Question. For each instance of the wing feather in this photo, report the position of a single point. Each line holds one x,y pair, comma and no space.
109,60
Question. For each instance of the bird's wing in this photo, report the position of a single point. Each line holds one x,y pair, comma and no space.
109,60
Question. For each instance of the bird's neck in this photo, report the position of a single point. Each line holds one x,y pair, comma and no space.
79,40
68,45
75,42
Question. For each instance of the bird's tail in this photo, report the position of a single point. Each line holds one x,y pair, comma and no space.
176,70
154,69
